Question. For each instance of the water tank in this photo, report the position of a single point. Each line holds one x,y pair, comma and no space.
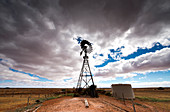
122,91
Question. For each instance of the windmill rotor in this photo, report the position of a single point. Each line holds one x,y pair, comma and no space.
86,47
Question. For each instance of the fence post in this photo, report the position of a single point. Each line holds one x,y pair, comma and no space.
133,105
66,92
123,98
45,96
5,94
12,94
28,100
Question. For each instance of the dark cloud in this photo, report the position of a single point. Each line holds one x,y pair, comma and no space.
103,15
153,17
110,15
38,34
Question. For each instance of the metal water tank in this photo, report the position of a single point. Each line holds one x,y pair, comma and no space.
122,91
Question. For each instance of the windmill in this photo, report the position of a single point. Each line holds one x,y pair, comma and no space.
85,80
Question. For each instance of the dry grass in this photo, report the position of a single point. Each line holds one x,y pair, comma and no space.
12,102
16,91
158,98
13,98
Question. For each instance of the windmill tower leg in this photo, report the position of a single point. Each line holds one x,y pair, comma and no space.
80,77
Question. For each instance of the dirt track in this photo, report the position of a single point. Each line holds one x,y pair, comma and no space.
101,104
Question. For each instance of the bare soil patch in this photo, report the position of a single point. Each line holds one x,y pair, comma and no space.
101,104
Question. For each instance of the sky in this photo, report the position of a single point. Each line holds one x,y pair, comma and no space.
40,42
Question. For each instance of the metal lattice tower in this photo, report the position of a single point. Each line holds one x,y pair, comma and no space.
85,79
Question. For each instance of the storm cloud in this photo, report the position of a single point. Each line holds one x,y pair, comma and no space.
38,34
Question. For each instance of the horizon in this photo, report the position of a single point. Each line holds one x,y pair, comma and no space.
75,88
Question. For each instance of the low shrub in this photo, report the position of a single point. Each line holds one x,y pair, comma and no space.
76,95
108,93
101,91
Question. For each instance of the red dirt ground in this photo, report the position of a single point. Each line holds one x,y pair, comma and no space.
101,104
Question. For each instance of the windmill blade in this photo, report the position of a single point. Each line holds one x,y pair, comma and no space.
81,53
86,46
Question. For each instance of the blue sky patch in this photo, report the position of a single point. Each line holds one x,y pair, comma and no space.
79,39
117,50
32,75
100,54
6,81
110,59
95,55
65,80
149,77
140,51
